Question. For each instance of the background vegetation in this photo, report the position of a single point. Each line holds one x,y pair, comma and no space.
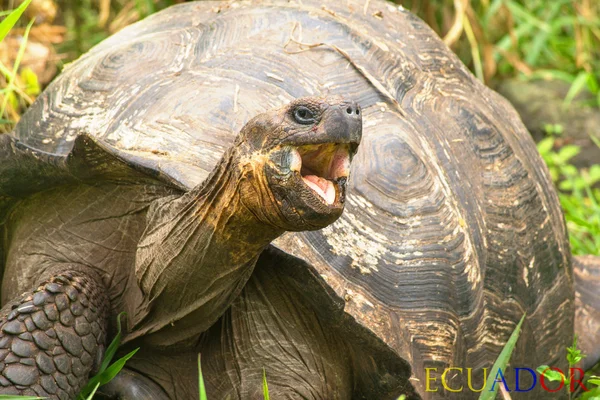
501,41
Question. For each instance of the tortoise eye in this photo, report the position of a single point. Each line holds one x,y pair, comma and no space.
304,116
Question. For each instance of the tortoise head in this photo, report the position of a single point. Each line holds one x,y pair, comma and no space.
295,161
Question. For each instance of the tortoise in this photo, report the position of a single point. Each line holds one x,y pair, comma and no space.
451,230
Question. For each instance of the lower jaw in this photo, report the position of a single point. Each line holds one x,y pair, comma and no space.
323,188
315,221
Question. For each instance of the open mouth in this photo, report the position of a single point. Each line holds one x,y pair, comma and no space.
324,169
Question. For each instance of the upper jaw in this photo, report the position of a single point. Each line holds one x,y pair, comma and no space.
324,170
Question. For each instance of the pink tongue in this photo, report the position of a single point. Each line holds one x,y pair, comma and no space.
322,187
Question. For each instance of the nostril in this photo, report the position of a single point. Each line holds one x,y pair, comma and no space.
357,111
349,110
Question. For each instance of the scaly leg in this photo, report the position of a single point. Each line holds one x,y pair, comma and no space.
53,337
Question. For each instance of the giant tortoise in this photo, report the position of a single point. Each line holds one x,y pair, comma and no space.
451,230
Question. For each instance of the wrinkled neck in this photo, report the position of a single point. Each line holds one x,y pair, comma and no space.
237,234
198,251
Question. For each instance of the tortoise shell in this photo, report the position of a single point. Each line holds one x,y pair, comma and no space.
452,229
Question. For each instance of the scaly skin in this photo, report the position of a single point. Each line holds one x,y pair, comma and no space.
53,337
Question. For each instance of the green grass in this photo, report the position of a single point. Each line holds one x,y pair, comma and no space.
107,371
88,22
11,19
573,355
202,389
501,363
13,95
578,193
530,39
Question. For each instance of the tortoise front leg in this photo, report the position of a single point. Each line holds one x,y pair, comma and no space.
53,337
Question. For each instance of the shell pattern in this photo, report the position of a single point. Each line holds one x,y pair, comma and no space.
451,230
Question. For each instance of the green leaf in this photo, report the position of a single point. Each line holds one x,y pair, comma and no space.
574,355
100,377
554,129
577,86
32,85
528,17
571,184
201,388
594,381
567,152
594,138
13,397
501,362
265,385
551,74
569,170
106,376
150,7
11,77
593,394
550,374
7,23
594,174
114,345
22,47
91,396
113,369
545,145
593,84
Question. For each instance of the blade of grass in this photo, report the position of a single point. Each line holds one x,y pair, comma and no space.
112,348
577,86
106,376
150,7
7,23
112,370
491,11
13,397
11,79
521,12
595,140
506,42
550,74
22,47
201,388
540,40
501,362
474,48
265,385
106,372
91,396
